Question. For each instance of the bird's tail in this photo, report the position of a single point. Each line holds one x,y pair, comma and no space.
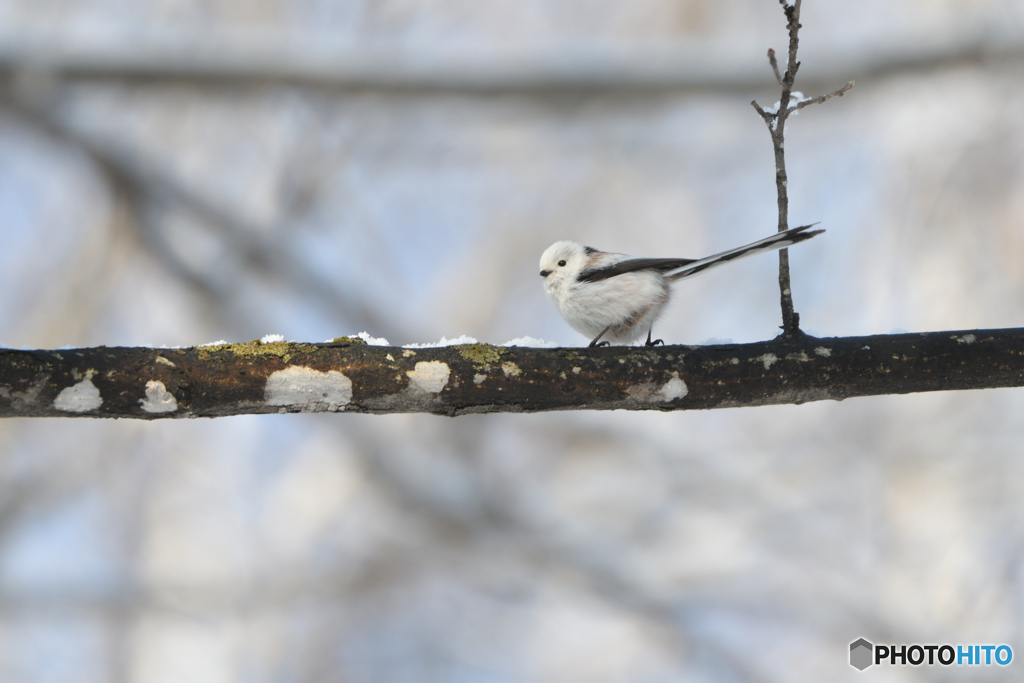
779,240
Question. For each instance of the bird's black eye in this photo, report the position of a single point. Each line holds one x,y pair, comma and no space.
562,262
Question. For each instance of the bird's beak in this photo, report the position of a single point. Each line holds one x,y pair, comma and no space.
545,273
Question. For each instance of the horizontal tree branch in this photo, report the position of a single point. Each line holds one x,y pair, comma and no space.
383,66
349,376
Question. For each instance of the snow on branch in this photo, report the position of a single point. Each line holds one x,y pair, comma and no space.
351,376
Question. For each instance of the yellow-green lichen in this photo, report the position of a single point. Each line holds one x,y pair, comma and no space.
255,349
480,355
350,340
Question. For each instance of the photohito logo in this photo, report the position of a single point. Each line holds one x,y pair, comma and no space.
863,654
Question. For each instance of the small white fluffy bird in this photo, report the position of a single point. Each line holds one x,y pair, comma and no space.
615,298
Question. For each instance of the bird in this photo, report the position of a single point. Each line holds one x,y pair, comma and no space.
614,298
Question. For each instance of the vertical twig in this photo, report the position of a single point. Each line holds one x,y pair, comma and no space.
776,122
790,319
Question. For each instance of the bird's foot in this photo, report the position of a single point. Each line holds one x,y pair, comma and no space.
652,343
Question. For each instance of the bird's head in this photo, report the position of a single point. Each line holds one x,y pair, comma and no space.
562,262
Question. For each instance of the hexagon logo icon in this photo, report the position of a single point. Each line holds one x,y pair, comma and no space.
860,654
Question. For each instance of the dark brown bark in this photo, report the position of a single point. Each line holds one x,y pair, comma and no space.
478,378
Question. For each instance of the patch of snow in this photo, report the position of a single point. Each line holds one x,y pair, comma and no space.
532,343
444,342
371,341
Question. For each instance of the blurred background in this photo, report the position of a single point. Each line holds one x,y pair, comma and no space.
175,172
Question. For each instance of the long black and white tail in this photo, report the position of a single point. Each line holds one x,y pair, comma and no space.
779,240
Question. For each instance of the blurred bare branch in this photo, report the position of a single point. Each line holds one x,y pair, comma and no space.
334,65
145,186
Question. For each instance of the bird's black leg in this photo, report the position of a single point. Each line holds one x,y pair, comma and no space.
649,342
604,343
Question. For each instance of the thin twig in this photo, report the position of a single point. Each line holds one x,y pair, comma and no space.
790,320
775,65
821,98
768,116
775,119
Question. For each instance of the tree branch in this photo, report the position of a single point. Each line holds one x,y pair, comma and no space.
775,119
140,183
349,376
821,98
230,62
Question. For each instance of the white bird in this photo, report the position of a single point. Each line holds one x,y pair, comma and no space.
616,297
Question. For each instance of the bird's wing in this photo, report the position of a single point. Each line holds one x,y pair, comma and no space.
630,265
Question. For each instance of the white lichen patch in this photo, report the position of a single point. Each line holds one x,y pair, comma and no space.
576,370
511,369
299,386
768,359
158,399
966,339
673,389
643,392
430,376
822,351
478,378
651,392
79,398
164,361
27,397
407,353
734,361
